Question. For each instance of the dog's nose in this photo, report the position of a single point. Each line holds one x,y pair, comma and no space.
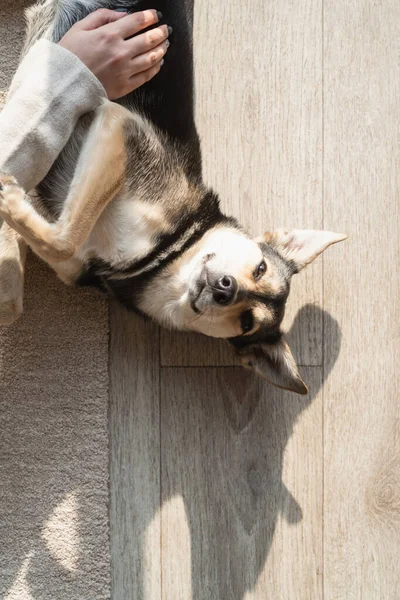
224,290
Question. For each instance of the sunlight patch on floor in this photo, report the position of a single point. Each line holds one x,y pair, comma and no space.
61,533
20,588
175,547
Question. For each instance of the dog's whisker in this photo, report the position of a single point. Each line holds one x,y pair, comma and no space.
211,321
201,314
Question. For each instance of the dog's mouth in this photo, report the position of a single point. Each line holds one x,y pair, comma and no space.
199,284
197,289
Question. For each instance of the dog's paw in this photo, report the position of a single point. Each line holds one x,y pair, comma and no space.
6,181
5,178
11,195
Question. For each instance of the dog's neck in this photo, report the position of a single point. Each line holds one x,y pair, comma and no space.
166,298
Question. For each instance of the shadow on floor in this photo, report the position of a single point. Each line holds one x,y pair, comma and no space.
224,434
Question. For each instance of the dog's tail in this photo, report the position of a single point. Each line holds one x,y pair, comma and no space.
39,23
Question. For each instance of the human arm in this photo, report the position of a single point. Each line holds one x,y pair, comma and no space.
57,83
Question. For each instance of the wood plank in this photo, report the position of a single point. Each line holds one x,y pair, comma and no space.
259,111
134,457
362,289
241,487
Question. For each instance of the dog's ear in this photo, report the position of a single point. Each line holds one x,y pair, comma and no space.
300,246
275,363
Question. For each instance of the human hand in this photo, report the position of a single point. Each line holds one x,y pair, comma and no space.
121,64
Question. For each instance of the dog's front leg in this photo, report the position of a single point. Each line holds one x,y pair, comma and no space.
99,176
19,213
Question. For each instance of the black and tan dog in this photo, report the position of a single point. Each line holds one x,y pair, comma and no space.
124,208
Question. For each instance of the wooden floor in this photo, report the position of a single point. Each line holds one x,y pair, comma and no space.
222,487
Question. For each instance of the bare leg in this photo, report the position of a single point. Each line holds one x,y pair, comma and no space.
12,264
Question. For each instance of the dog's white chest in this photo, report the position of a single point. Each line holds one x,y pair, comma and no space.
126,230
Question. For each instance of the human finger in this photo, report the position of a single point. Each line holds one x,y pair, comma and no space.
131,24
147,41
100,17
146,61
145,76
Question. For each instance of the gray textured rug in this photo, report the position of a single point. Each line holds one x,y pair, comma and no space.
53,426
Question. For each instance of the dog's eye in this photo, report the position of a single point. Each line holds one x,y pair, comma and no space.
261,269
247,321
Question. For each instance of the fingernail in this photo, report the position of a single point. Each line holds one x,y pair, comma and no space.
167,43
162,62
170,30
120,10
159,15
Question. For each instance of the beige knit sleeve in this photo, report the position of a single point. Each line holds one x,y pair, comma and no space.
50,91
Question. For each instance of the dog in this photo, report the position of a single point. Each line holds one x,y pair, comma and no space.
125,209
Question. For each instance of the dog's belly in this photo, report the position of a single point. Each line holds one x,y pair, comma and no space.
126,231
